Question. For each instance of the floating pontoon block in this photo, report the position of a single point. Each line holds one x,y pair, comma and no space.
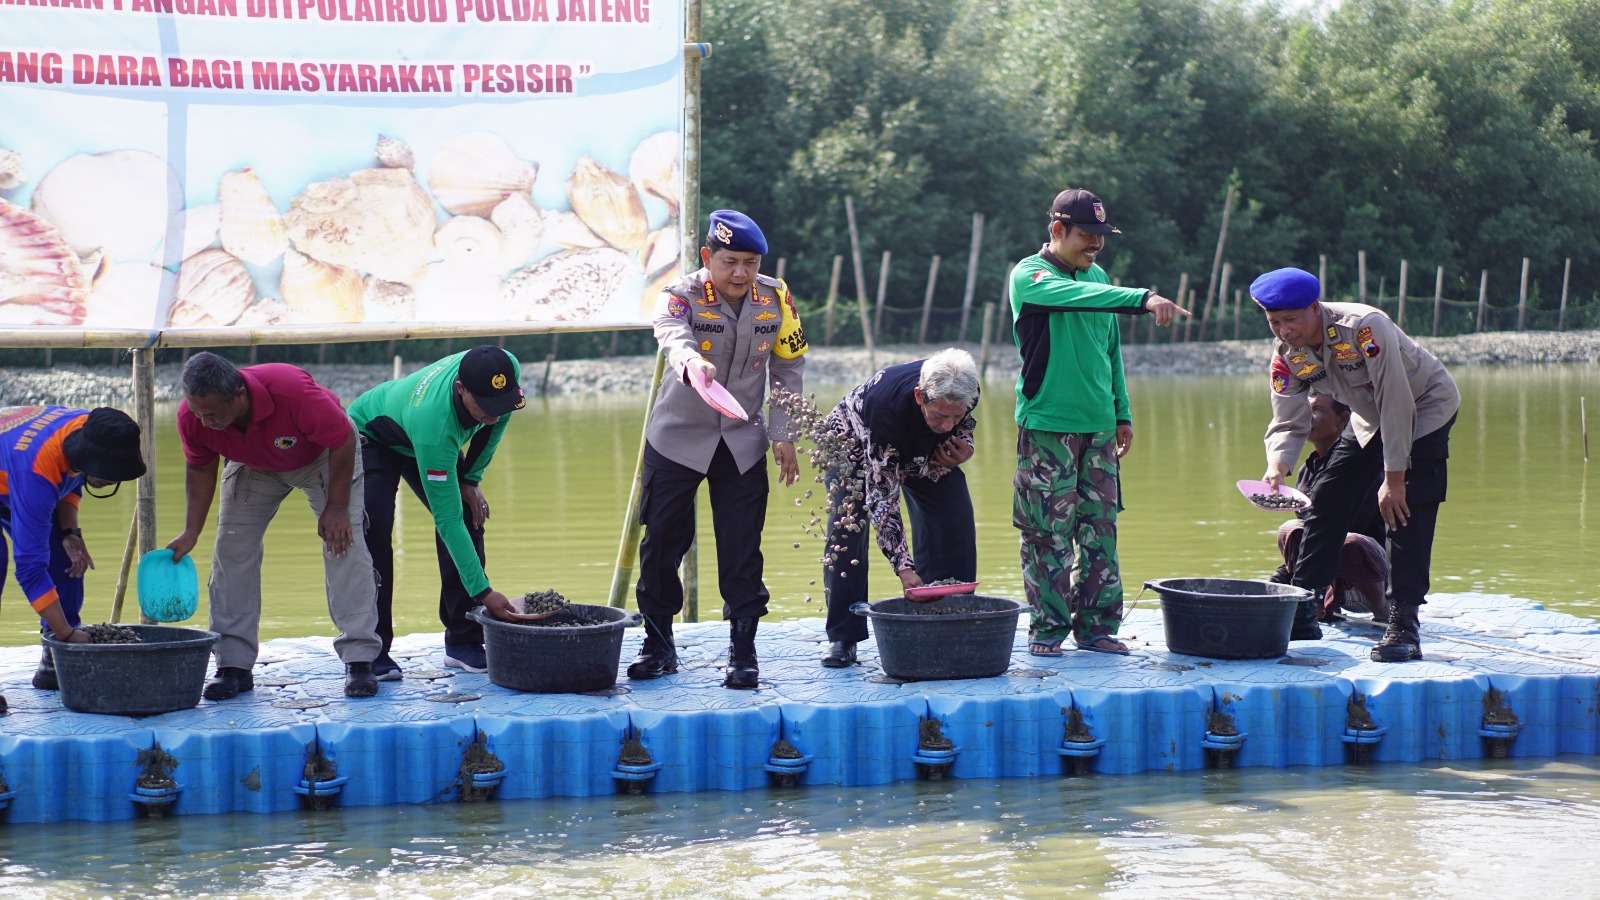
1012,732
242,757
73,767
392,756
720,749
1157,728
1432,710
857,743
554,745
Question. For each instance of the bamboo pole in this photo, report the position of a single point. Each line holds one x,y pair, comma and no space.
1150,334
1216,265
833,294
1483,297
861,284
127,564
689,574
783,262
1583,423
983,345
972,273
144,404
395,371
1566,279
927,299
1400,311
1522,297
1322,275
1222,304
1438,297
1238,303
628,547
1361,276
883,293
1183,298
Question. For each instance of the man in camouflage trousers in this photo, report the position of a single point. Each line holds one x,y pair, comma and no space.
1073,427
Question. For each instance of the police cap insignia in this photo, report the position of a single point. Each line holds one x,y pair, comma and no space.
724,233
1099,211
498,381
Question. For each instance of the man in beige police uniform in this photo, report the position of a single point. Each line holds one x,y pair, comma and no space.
1402,404
728,323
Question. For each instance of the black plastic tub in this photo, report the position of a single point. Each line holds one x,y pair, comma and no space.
1227,618
961,636
573,651
164,673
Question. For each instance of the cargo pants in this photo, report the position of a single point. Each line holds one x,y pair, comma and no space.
1067,498
250,498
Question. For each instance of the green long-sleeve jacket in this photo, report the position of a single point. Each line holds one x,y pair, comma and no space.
419,416
1064,323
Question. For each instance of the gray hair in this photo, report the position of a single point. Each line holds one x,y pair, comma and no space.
950,375
208,375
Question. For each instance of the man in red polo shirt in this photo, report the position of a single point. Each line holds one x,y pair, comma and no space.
279,430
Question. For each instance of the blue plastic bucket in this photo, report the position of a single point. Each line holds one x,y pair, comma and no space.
168,591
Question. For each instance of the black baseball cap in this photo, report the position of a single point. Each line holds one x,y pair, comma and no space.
490,375
1082,209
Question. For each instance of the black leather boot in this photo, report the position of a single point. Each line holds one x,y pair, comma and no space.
228,683
1305,626
658,656
743,672
1402,642
840,654
44,677
359,680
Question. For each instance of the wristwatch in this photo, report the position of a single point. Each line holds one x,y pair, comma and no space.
72,532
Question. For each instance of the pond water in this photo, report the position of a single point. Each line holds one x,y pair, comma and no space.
1516,521
1419,831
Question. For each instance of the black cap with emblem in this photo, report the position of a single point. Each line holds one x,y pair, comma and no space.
1081,209
489,375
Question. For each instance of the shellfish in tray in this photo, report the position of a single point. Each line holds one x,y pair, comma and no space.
214,289
118,202
470,242
320,293
574,286
377,221
393,153
472,173
42,281
388,301
656,169
609,204
10,170
126,295
248,220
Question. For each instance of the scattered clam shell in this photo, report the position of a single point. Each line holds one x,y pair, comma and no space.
248,220
377,221
117,201
470,242
660,251
214,288
568,230
388,301
451,292
574,286
265,313
608,203
42,281
317,292
521,229
10,169
127,295
201,227
472,173
655,168
394,153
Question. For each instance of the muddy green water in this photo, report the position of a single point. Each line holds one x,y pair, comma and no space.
1519,519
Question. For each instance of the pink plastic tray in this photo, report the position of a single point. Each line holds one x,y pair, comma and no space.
718,398
934,592
1248,487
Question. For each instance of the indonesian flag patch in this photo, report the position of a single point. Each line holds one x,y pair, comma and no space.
438,475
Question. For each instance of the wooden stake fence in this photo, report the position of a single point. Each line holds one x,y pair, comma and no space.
927,299
1566,279
972,273
861,284
883,293
833,294
1483,297
1522,297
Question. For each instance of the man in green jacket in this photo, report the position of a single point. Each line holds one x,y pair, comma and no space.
437,430
1073,426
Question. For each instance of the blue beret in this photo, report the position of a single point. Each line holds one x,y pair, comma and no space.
1285,289
733,230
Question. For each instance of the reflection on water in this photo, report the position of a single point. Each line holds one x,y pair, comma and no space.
1516,521
1386,831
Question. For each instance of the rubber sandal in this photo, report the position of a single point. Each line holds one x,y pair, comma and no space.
1045,648
1094,646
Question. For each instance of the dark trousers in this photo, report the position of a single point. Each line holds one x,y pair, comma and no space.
945,545
384,470
1352,474
738,512
69,590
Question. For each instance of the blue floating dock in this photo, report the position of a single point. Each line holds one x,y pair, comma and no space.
1502,677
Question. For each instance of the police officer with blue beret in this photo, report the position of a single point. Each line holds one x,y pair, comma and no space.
725,323
1402,405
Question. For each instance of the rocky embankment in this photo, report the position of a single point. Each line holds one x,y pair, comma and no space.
103,385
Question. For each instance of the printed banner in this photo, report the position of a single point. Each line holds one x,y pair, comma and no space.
182,164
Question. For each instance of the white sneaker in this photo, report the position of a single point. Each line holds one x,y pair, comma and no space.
468,657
